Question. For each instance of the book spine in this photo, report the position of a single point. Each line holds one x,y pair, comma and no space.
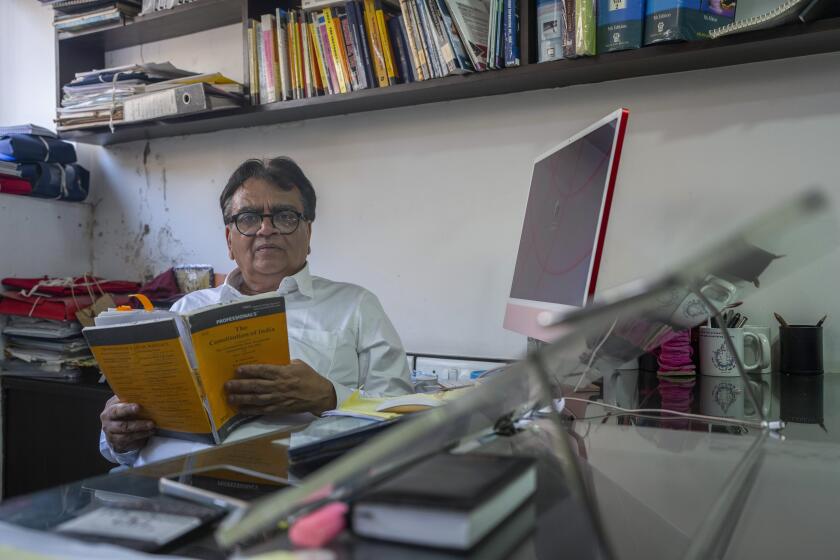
346,68
458,44
447,53
291,25
357,28
500,33
414,53
283,54
301,80
319,54
268,59
420,39
353,59
404,65
375,44
261,80
569,17
307,62
336,51
387,50
328,58
428,38
253,64
511,33
585,28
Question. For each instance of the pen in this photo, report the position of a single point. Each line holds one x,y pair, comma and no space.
742,322
820,322
780,319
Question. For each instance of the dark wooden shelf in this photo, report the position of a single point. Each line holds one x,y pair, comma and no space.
157,26
770,44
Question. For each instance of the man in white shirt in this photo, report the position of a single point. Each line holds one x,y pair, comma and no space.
339,336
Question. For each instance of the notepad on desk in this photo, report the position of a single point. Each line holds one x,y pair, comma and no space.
357,405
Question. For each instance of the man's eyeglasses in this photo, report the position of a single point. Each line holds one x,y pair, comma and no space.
285,221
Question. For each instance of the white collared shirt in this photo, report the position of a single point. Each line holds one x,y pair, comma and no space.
339,329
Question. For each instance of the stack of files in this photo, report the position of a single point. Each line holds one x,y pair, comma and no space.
74,16
111,96
41,166
338,46
44,348
41,334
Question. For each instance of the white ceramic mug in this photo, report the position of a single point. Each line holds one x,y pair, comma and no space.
758,348
725,396
716,360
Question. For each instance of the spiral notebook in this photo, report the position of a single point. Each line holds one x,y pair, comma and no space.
787,12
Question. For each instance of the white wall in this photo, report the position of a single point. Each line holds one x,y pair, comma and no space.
37,236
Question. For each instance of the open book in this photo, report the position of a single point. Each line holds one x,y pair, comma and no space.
175,366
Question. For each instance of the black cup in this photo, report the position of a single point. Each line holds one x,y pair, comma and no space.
801,350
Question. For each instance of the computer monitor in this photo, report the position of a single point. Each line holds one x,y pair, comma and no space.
565,226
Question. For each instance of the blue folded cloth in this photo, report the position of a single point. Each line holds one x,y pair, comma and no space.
52,180
28,148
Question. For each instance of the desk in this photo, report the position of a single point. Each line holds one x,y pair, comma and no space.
50,431
654,486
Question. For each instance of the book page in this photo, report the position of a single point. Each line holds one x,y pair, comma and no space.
145,364
250,331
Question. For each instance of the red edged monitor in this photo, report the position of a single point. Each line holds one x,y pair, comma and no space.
565,226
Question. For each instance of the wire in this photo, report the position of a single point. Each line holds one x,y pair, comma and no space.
593,354
651,417
713,419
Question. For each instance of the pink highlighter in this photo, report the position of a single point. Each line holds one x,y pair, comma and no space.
319,527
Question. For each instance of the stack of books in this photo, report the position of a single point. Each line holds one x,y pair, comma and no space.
74,16
40,323
330,47
139,92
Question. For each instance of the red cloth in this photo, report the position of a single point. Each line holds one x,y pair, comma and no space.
163,287
55,308
79,289
14,185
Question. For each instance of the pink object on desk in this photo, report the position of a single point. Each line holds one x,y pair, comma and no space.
319,527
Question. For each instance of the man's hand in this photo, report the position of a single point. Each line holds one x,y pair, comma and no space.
266,389
124,428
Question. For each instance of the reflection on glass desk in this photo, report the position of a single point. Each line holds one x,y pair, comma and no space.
806,404
545,524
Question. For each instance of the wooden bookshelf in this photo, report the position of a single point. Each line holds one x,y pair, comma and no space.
87,51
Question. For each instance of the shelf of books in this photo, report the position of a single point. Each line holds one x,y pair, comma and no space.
334,57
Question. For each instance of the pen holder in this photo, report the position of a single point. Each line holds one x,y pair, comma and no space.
801,350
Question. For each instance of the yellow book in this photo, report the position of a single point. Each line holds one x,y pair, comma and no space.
340,64
175,365
387,51
299,54
345,61
253,64
315,45
291,35
375,44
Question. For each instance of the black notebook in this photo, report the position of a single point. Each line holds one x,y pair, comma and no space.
446,501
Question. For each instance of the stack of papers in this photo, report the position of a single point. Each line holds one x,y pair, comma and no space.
99,97
44,348
74,16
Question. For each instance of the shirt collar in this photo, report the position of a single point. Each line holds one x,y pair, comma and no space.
301,282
